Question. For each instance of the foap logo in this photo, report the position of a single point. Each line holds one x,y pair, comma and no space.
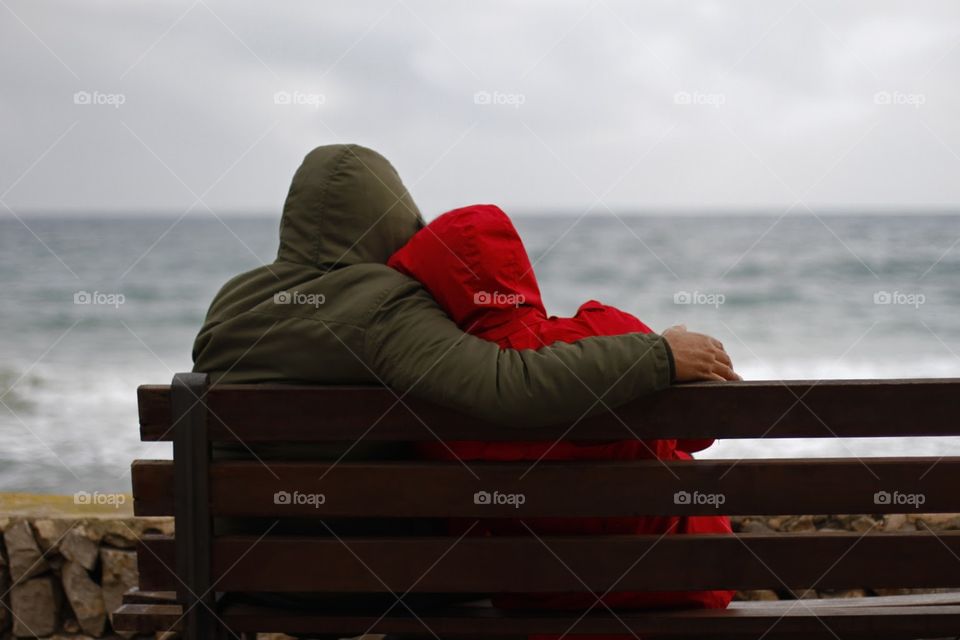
499,98
296,498
298,297
99,298
299,98
85,498
114,100
896,498
491,298
699,297
497,498
915,100
899,298
696,98
712,499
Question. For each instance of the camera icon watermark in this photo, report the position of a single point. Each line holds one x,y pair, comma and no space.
914,500
115,100
915,100
86,498
297,498
99,298
699,297
899,298
696,497
298,297
697,98
302,98
499,98
497,498
498,299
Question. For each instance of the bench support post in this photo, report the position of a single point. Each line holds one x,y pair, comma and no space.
191,458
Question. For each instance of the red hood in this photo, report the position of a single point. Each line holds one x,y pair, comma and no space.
473,263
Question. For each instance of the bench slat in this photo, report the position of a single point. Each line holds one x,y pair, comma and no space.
589,489
768,409
807,619
746,561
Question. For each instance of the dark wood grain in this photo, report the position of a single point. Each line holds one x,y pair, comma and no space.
790,409
421,489
808,619
565,564
425,489
191,491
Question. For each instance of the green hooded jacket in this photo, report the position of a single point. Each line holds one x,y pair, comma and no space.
329,311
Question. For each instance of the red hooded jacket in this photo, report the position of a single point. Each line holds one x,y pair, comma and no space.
474,264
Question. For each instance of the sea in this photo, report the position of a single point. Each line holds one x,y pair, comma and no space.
94,305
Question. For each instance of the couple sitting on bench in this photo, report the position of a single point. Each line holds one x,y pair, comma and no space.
451,312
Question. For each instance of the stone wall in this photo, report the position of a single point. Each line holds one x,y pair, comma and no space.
841,523
69,573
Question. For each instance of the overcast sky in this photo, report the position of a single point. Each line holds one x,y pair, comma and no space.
538,106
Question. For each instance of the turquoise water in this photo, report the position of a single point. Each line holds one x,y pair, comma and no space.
839,296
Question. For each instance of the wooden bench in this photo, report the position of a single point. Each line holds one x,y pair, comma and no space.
209,573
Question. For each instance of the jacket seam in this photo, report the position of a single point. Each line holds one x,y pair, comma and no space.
322,198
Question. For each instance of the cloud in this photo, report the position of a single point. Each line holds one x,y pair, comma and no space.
697,105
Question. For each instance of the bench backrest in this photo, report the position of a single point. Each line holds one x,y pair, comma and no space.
196,489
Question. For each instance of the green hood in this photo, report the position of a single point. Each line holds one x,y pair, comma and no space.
346,206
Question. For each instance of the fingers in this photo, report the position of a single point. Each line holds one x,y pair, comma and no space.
698,356
723,358
725,371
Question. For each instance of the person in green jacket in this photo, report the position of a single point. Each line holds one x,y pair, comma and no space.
329,311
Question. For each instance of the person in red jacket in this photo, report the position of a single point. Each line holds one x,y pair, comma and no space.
473,262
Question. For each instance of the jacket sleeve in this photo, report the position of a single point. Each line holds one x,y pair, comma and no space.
414,347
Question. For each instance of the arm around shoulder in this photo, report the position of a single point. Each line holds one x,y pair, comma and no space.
414,347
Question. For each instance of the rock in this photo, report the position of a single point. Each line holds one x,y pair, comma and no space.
754,526
758,594
26,560
907,592
85,597
841,521
78,548
49,532
797,524
118,541
36,607
891,592
124,533
842,593
119,574
936,521
862,524
4,590
897,522
70,625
